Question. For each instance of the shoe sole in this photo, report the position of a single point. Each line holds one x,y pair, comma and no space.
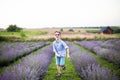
58,75
64,68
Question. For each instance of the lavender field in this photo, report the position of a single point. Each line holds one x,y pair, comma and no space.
31,67
87,66
30,60
12,51
108,50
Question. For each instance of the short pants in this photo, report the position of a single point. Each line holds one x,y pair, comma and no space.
60,61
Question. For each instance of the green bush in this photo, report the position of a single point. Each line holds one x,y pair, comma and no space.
13,28
117,31
22,34
71,30
61,29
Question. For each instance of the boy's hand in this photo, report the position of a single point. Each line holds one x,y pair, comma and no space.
68,56
58,55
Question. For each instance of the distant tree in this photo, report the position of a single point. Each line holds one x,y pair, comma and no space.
13,28
61,29
117,31
71,30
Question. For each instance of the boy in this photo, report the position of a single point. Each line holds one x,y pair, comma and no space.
60,48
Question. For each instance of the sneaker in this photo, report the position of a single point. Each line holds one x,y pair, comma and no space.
64,67
58,75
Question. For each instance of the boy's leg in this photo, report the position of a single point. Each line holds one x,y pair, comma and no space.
62,63
59,69
63,67
58,65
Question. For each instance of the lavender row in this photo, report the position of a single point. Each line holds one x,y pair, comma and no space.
110,55
11,51
32,67
109,50
89,44
112,44
87,66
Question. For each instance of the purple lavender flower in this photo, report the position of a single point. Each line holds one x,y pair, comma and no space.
31,67
109,50
87,66
11,51
88,44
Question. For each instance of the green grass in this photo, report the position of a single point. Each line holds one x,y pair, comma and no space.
20,36
5,33
68,74
31,33
28,33
93,31
117,35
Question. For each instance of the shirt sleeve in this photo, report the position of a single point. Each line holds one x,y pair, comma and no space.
65,45
54,49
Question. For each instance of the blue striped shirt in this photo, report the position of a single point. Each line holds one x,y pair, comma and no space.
60,47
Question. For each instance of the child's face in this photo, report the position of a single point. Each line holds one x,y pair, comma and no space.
57,35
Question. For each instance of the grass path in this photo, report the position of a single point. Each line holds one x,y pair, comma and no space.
68,74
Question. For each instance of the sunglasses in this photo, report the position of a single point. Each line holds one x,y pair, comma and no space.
57,34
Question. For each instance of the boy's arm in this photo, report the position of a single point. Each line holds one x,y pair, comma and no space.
67,49
68,54
55,50
57,54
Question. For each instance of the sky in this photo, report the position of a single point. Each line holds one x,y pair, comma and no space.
59,13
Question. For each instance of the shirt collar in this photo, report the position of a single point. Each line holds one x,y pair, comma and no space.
58,40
